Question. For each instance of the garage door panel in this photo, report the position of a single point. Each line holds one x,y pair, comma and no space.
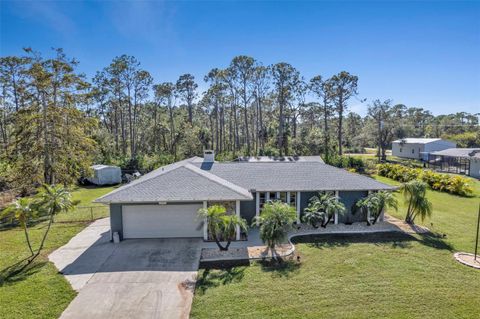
161,221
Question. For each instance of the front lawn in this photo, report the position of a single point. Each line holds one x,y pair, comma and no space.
40,292
368,276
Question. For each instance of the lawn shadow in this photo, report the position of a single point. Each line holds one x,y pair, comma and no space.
434,240
280,267
212,278
19,271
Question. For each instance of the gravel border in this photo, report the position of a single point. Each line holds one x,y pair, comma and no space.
256,252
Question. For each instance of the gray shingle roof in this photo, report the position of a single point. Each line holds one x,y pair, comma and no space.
459,152
178,182
292,176
192,180
279,159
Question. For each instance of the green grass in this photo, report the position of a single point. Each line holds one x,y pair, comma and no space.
368,276
455,216
85,209
40,292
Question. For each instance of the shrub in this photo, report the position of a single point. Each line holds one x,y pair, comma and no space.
351,163
453,184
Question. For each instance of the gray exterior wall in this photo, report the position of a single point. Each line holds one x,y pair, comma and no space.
408,150
414,150
247,209
474,167
305,199
349,199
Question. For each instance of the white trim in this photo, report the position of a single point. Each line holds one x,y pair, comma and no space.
335,219
288,198
257,205
205,223
237,212
267,196
368,210
298,207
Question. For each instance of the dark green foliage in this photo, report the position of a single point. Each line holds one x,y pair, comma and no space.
349,162
453,184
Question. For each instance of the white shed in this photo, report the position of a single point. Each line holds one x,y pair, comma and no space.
419,148
105,175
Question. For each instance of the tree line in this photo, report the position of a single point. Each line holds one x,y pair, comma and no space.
54,122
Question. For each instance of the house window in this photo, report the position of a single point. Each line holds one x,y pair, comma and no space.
283,197
262,199
400,149
413,151
293,199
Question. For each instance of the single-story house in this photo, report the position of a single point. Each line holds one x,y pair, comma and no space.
419,148
456,160
105,175
165,202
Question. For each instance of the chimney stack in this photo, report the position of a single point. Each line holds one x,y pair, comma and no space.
208,156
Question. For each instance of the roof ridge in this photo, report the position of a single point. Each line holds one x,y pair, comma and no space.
164,169
217,179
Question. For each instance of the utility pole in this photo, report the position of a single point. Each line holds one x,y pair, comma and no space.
476,239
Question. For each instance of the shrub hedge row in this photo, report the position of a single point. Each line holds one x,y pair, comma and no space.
453,184
351,163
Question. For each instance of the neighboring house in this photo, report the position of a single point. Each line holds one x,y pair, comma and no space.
105,175
456,160
419,148
165,202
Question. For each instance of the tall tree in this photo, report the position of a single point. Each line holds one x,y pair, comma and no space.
343,86
323,90
382,114
284,78
165,95
186,89
242,70
51,128
261,86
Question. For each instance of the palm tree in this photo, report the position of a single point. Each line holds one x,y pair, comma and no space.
376,203
275,220
313,217
53,200
323,208
221,226
415,193
22,212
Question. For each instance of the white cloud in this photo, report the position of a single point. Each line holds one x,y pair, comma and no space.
150,21
48,13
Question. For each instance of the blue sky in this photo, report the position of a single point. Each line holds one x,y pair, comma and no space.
424,54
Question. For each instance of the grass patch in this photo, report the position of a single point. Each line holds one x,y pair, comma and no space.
361,276
39,291
453,215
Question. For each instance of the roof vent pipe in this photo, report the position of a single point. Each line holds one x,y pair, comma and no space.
208,156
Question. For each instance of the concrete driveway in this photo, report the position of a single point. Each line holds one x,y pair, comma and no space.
141,278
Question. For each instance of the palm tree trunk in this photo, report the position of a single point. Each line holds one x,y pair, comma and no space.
28,240
408,217
43,239
328,221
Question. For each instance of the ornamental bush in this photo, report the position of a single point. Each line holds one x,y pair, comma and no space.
453,184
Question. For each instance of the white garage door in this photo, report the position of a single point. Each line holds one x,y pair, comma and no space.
161,221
